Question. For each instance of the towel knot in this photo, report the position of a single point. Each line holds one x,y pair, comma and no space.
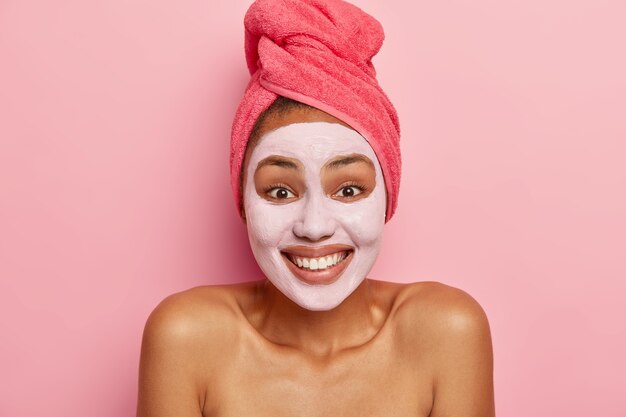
342,28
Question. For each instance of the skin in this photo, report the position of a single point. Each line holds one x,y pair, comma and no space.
331,203
389,349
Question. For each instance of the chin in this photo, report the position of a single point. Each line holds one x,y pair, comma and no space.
319,297
323,306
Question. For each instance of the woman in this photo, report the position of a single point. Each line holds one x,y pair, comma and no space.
315,184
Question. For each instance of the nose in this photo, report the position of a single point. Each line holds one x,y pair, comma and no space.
316,222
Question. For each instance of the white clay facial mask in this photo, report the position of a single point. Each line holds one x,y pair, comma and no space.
315,202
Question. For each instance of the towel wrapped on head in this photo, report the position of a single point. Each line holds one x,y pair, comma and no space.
318,52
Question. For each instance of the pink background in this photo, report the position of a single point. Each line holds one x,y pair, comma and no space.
114,188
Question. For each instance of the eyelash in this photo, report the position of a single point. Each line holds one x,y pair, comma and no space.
351,184
354,184
272,187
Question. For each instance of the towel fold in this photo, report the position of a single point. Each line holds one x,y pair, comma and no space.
318,52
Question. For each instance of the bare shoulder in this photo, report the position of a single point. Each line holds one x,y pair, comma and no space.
181,312
440,309
198,317
185,338
451,332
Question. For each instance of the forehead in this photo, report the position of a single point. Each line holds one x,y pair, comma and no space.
296,115
312,143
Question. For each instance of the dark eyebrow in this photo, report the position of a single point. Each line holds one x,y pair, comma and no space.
279,162
347,160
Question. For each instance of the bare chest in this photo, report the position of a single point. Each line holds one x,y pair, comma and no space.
372,382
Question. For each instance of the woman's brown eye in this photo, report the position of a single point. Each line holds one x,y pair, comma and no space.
350,191
280,193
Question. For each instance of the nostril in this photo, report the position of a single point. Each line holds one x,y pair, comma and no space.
314,231
312,236
314,239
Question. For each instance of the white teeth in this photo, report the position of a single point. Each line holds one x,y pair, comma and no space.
315,264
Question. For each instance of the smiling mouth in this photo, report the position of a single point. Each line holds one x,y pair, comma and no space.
318,264
324,269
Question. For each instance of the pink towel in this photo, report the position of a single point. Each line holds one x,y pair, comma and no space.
318,52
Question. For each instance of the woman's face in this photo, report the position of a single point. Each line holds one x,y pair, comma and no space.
314,202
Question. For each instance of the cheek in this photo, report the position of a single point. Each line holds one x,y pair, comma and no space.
267,223
364,220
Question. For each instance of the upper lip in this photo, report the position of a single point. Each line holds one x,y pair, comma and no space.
315,251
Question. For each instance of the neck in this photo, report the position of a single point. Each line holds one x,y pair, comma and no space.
321,333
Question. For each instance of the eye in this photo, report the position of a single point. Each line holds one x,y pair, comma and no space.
349,191
280,193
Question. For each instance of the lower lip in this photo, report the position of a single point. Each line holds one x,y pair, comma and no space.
319,277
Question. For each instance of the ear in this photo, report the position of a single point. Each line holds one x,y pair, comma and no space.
242,214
